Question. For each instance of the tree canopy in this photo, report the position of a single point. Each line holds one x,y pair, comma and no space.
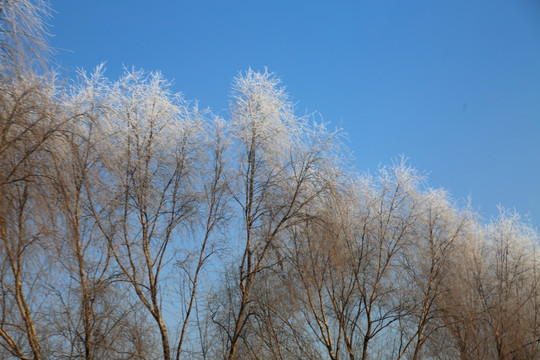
134,225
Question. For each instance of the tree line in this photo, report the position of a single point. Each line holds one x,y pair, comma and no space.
135,225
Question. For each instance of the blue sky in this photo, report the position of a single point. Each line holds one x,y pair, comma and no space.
452,85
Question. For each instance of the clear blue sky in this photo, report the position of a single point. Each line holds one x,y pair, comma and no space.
454,85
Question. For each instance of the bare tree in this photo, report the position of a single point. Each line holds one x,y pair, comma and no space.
29,117
283,164
89,321
320,268
441,228
151,149
72,175
490,305
346,261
